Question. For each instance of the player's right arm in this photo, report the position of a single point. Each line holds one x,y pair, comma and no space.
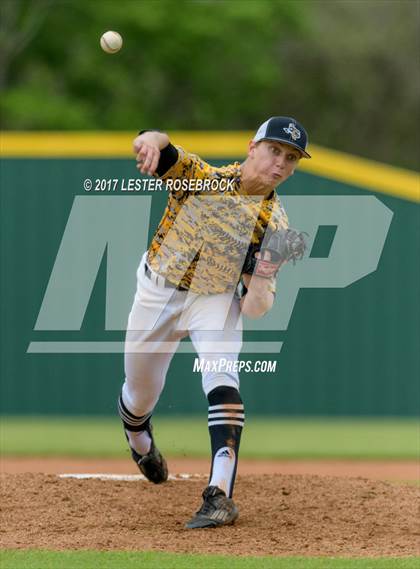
147,147
155,155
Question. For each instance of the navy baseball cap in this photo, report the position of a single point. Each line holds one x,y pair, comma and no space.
284,129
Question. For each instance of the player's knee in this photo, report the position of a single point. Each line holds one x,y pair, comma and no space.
139,400
211,380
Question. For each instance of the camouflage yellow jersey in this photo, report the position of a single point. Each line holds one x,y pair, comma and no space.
208,224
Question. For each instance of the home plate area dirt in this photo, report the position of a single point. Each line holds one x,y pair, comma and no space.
279,515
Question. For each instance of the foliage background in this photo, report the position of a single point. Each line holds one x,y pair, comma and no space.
347,69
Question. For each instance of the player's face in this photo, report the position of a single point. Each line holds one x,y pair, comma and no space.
273,162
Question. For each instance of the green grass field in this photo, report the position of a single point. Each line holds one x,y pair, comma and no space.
263,438
281,439
154,560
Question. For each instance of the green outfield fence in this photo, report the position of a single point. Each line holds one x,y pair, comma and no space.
350,351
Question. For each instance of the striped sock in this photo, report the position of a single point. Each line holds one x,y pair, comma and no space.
135,428
226,419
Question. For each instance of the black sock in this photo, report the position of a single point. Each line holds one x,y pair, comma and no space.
226,419
136,429
132,422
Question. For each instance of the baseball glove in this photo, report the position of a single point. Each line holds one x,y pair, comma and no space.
282,246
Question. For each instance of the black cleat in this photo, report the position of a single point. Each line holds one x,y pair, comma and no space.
152,464
217,510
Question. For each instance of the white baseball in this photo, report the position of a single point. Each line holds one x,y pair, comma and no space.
111,42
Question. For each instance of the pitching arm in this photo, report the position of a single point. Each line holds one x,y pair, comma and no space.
154,152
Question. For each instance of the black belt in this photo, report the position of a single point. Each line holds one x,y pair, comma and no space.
166,283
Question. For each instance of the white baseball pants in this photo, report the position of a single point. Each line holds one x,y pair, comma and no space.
160,317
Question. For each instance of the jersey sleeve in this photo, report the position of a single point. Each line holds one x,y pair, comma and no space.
168,157
187,166
278,219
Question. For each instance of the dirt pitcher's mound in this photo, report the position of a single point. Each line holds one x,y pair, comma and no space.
279,515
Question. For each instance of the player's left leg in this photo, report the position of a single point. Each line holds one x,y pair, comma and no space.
225,422
219,349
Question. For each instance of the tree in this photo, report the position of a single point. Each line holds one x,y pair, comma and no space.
347,69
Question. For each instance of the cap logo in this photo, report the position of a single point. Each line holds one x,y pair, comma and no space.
293,131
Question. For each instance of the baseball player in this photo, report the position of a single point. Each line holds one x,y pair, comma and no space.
214,257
